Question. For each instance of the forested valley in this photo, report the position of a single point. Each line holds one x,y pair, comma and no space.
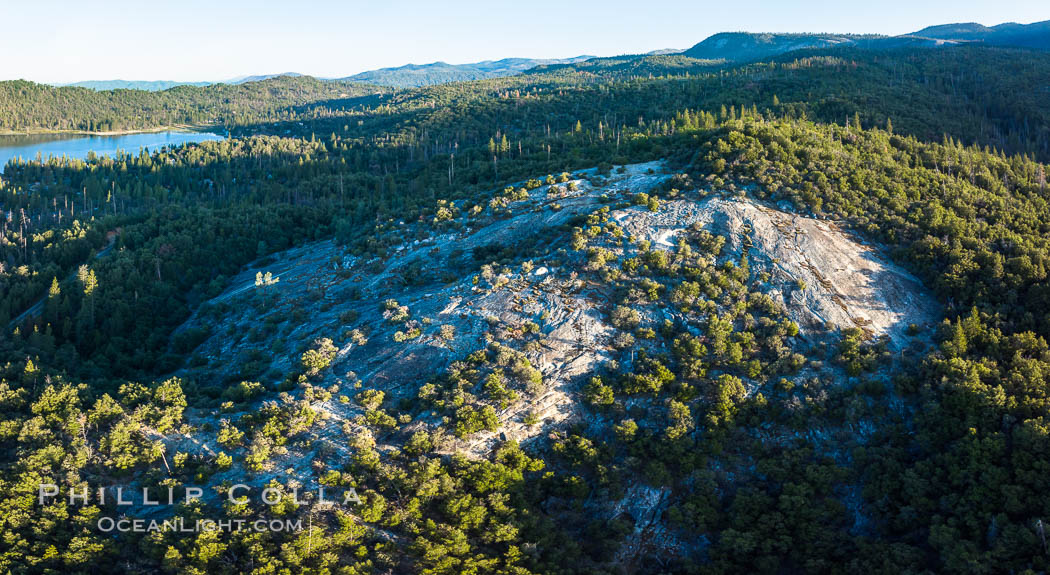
773,452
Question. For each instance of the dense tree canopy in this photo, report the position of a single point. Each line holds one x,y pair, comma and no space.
933,154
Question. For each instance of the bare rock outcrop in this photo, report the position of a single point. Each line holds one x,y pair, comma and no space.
822,275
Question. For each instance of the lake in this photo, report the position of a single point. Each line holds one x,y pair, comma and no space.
78,146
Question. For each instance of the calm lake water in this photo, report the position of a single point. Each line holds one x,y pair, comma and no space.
58,145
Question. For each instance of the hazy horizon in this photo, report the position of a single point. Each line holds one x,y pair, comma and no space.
328,39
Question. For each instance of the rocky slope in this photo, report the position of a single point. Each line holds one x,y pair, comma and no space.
822,275
401,319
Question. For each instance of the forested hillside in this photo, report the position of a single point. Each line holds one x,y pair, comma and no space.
984,96
26,106
766,449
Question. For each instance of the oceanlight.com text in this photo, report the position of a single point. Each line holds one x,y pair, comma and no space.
179,525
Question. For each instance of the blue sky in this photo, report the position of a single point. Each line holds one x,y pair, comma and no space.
71,40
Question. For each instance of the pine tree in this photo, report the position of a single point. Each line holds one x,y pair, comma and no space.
87,279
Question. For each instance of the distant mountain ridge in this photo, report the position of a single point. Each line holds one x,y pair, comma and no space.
738,47
260,77
741,46
161,85
750,46
417,75
1035,35
407,76
145,85
721,48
